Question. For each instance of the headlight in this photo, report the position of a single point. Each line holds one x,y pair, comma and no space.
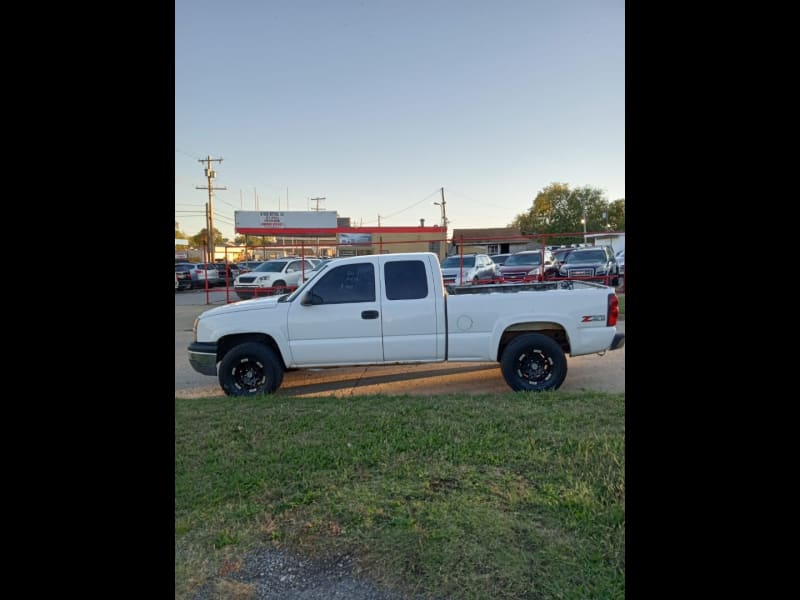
263,279
194,330
535,271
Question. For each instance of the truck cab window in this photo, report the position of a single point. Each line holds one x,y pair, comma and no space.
349,283
405,280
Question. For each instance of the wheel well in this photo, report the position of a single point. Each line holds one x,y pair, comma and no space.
225,344
552,330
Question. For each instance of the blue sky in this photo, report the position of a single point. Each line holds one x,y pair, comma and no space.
377,104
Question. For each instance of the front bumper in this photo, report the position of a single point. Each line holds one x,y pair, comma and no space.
203,357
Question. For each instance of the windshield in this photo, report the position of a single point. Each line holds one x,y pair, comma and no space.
591,256
523,259
271,266
312,274
455,262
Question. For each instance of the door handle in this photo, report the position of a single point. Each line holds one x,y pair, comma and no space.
369,314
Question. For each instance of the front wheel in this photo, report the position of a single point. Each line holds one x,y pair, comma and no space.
533,363
250,369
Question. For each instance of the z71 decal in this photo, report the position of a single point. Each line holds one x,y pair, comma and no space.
589,318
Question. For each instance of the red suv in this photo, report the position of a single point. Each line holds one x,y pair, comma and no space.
526,266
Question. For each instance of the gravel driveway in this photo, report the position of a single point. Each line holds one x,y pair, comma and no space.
274,575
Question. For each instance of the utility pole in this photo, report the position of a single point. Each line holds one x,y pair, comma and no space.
317,201
444,224
210,175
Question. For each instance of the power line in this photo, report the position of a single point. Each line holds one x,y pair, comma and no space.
479,202
394,214
187,154
229,204
224,219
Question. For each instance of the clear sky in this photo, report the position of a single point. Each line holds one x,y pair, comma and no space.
377,104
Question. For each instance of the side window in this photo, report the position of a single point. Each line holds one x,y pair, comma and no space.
348,283
405,280
293,266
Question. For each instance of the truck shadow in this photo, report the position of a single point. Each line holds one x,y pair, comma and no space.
293,383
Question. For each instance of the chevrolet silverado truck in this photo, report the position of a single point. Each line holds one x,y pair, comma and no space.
395,308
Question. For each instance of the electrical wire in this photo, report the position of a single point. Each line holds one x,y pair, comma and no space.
187,154
394,214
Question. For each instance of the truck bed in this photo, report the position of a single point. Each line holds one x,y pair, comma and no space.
506,288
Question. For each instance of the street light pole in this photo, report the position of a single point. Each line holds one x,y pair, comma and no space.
584,225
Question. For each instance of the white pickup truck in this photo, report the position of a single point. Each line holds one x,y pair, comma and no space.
395,308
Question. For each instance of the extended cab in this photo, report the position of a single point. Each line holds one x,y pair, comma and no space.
395,308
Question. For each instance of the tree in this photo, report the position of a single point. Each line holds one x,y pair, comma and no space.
557,209
616,215
199,239
179,235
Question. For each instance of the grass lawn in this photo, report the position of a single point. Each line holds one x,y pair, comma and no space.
512,495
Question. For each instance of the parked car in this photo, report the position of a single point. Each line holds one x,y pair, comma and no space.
499,259
560,254
202,271
183,274
476,268
596,261
621,262
233,272
176,280
248,265
270,276
526,266
317,268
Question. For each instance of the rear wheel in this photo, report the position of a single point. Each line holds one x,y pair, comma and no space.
533,362
250,369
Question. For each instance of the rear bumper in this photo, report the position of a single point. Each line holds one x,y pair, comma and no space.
203,357
618,341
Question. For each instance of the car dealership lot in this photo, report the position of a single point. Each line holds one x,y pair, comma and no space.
591,372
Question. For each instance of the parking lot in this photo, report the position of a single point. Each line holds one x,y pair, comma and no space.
592,372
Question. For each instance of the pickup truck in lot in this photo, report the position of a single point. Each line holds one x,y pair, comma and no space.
395,308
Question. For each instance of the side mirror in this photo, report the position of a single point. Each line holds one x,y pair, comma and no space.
310,298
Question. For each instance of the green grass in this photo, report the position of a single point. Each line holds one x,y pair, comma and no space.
505,496
621,298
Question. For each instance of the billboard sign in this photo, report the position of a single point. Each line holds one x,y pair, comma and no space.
355,238
284,219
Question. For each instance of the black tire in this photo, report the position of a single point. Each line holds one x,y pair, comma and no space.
250,369
278,288
533,363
